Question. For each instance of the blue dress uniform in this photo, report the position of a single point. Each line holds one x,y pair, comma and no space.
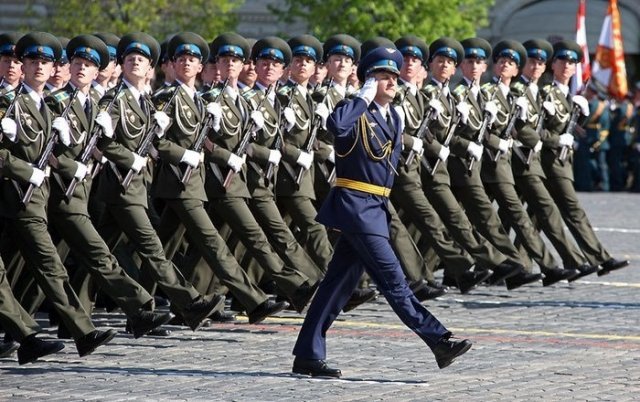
367,152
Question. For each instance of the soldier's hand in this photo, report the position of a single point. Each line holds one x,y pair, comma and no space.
492,109
103,119
37,177
62,127
275,156
503,146
81,171
235,162
215,110
192,158
369,90
443,154
332,155
583,103
523,104
322,111
417,146
305,160
138,163
566,140
290,117
549,107
463,108
538,147
163,121
9,128
437,107
475,150
258,120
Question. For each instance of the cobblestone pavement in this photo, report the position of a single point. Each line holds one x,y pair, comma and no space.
577,341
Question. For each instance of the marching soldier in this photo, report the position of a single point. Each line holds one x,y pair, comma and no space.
28,128
10,72
133,120
559,172
184,200
102,84
61,73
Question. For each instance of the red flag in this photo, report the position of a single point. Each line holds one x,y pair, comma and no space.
608,66
583,70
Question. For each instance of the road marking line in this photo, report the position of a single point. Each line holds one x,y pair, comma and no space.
621,230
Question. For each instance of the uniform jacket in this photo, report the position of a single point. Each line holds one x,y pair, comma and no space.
439,128
526,135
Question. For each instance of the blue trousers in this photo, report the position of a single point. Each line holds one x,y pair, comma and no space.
354,253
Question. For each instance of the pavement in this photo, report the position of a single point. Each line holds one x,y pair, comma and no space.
578,341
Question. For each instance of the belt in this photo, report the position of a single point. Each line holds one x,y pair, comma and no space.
362,186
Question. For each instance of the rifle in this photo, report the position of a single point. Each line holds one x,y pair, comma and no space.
92,145
277,144
573,122
452,129
312,138
244,143
482,132
198,145
43,161
12,105
145,145
423,130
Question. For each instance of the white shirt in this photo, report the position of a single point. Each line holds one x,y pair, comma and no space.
134,91
37,98
563,88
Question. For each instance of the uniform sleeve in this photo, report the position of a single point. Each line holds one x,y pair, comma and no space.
110,147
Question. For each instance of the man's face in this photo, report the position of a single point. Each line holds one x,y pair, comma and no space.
442,67
37,71
269,71
339,67
563,69
230,67
167,70
302,68
107,72
187,67
505,68
473,68
386,86
61,75
10,69
83,72
248,74
320,73
135,66
533,69
411,68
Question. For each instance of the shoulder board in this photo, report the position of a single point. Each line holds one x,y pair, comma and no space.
60,95
163,93
249,93
212,94
9,95
519,87
547,88
430,90
460,90
285,90
253,97
487,86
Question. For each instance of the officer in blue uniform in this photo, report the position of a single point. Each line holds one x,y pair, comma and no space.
368,143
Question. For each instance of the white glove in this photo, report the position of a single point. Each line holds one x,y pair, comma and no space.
192,158
258,120
138,163
62,127
369,90
491,108
305,160
37,177
400,110
275,156
523,103
504,146
322,111
443,154
163,122
215,110
475,150
417,145
332,156
9,128
538,147
81,171
463,108
104,120
583,103
235,162
437,106
549,107
290,117
566,140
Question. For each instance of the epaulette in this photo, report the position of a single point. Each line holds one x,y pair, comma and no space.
285,90
163,94
60,95
253,97
488,89
243,90
249,93
519,87
212,94
430,90
547,88
460,91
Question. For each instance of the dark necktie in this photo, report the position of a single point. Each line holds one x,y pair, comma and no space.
87,108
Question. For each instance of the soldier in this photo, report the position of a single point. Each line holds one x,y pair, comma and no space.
248,76
102,83
618,143
185,201
445,55
61,73
368,143
297,158
10,72
125,213
68,214
27,129
407,192
559,172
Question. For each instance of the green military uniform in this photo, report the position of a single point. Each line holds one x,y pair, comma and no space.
297,200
